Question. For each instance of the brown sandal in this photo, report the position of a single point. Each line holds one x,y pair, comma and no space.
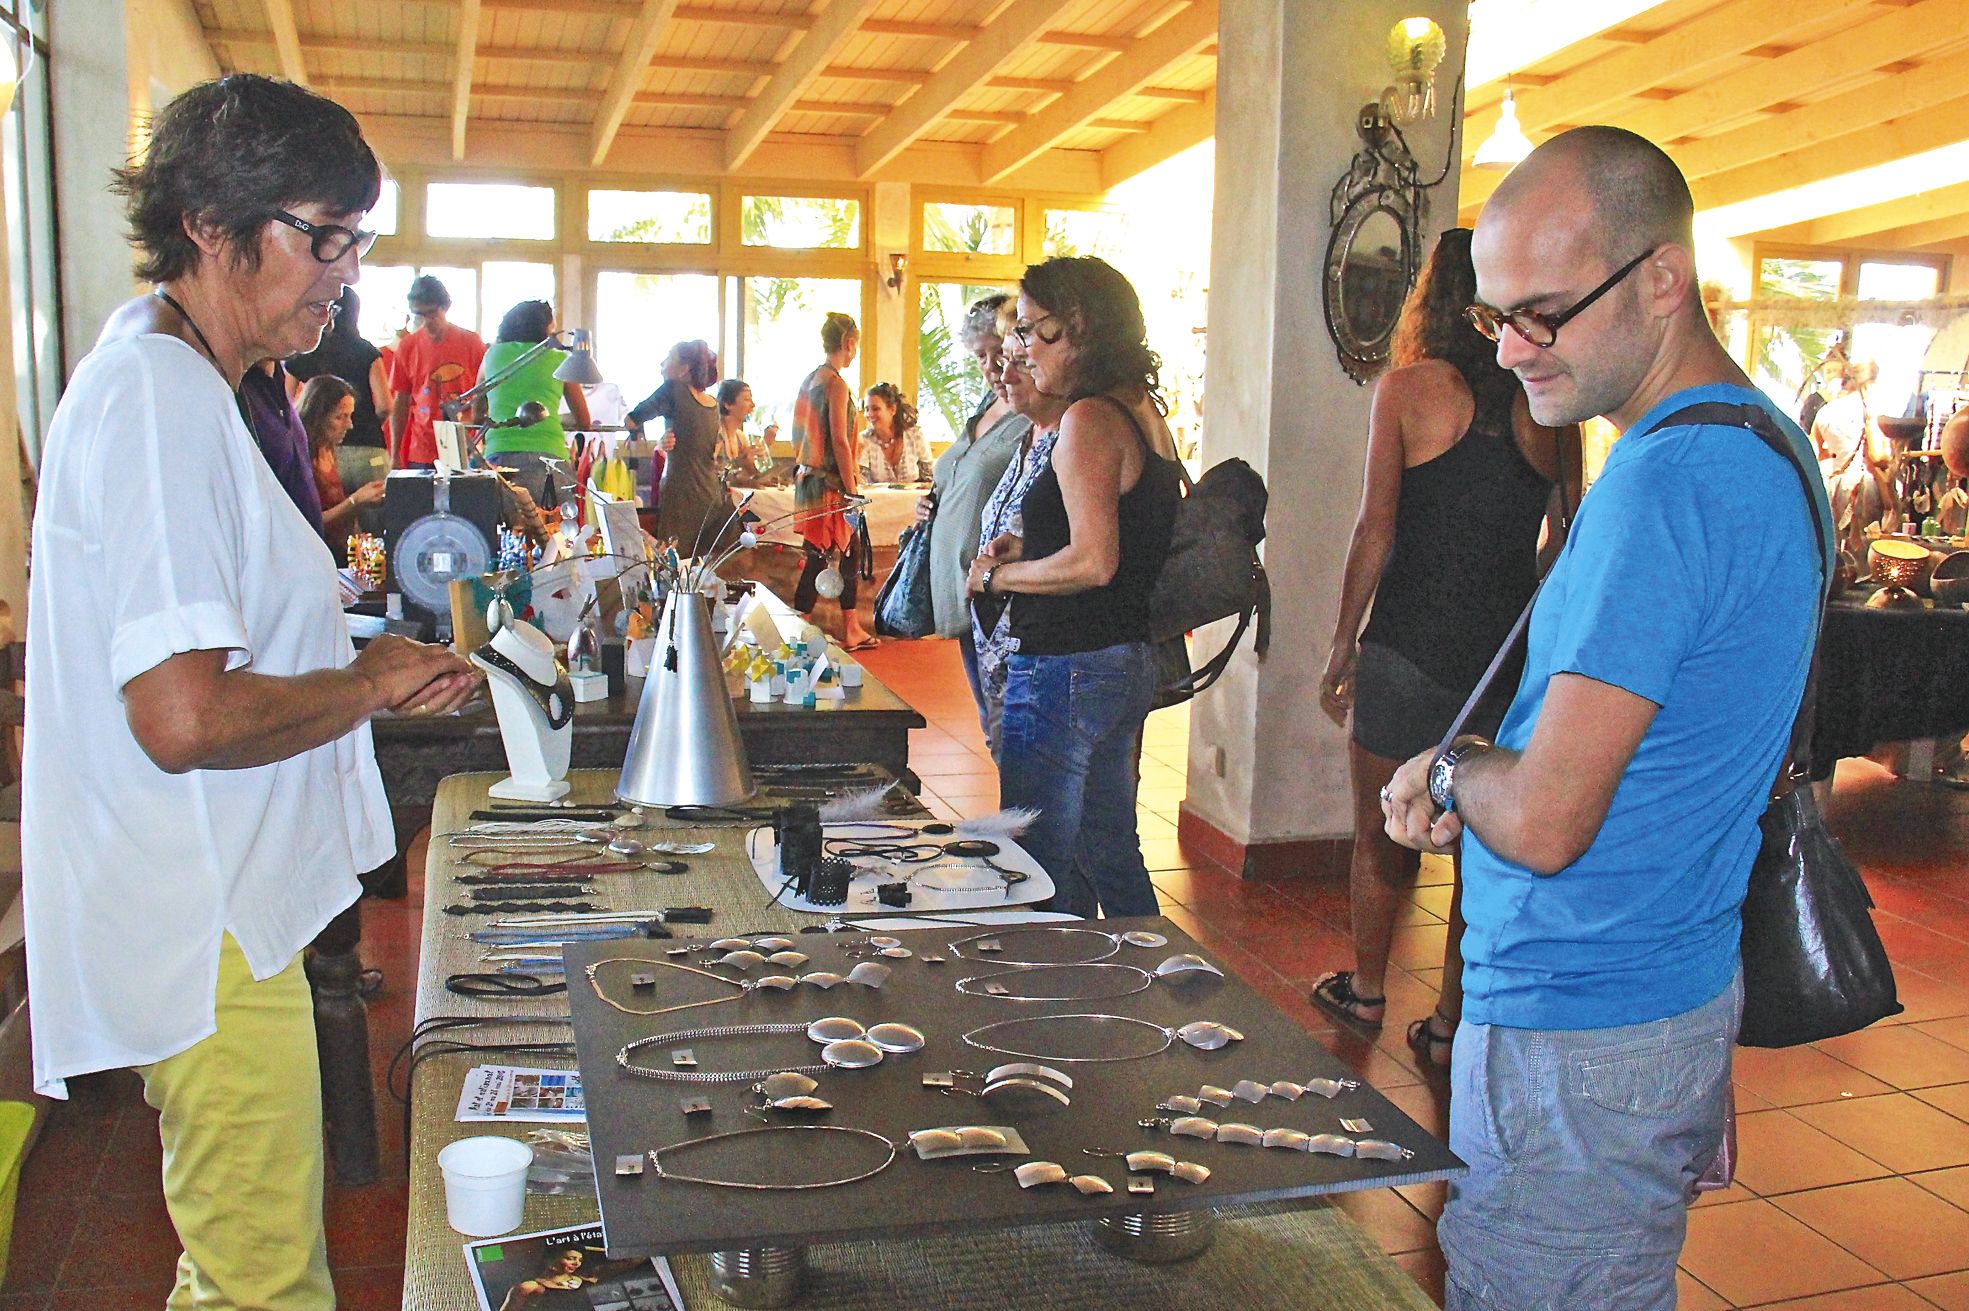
1431,1046
1334,993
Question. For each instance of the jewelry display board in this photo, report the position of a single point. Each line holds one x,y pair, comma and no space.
629,1116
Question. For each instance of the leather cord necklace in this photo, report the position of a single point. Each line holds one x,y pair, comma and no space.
555,699
238,397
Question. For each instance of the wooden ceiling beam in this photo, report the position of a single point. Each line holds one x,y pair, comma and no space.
461,73
627,10
978,61
804,65
341,45
1690,50
1857,50
626,79
1862,221
1170,135
1935,232
1153,56
1943,123
286,39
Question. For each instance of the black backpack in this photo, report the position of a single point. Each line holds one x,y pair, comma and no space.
1212,573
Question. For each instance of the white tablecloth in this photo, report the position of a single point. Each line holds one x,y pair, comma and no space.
890,510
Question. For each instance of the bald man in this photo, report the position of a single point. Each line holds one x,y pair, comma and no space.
1607,836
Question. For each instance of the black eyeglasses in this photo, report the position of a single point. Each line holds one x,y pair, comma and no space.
330,242
1025,332
1541,330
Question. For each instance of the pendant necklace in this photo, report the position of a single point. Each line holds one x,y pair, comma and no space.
987,946
743,986
1204,1035
657,1154
1127,980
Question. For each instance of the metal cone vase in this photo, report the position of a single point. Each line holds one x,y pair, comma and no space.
685,749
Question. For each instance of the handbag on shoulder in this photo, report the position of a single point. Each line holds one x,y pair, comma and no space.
1813,963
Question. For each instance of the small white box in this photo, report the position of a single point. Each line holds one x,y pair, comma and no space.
589,685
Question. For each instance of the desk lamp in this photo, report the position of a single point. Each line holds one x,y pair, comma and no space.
579,367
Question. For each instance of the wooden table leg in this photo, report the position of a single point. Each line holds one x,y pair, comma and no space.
348,1099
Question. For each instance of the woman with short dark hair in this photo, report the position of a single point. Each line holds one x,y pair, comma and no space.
521,439
743,463
188,631
692,507
1074,580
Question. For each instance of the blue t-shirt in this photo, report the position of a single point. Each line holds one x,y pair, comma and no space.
1689,579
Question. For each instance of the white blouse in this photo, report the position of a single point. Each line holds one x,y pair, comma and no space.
160,529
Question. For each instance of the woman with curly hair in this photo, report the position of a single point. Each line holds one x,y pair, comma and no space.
1063,599
892,446
1460,481
691,505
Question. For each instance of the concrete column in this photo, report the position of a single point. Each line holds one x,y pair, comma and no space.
1268,793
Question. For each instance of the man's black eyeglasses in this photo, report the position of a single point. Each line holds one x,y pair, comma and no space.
1542,330
330,242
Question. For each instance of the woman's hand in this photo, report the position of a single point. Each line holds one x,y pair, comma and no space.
771,434
1002,549
1337,683
924,507
669,443
370,493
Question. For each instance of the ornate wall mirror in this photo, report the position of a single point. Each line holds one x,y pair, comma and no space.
1376,248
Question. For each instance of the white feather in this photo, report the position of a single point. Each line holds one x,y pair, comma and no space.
868,803
1007,823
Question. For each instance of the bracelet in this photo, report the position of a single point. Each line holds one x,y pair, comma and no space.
984,584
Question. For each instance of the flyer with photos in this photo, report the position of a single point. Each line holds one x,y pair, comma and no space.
509,1093
567,1270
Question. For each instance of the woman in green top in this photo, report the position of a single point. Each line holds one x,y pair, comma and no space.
512,442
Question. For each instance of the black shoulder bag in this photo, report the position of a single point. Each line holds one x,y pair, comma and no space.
1813,964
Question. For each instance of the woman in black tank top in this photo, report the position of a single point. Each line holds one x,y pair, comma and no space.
1446,551
1094,530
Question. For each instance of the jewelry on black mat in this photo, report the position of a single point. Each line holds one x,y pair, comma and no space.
657,1154
968,1140
842,1053
988,946
743,986
1205,1035
1250,1090
1175,967
1154,1163
1129,980
1292,1140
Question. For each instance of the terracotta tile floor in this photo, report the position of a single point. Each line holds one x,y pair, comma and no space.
1853,1193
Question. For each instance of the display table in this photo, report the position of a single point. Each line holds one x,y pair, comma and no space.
1263,1256
1888,676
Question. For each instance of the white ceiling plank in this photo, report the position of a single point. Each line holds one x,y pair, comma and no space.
626,79
1150,58
461,73
832,30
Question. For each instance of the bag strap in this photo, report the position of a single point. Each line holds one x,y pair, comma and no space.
1725,414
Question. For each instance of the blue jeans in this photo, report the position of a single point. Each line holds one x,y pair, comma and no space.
1068,749
1584,1146
988,709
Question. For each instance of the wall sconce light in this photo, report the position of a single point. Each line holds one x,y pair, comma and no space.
897,263
1415,50
1507,145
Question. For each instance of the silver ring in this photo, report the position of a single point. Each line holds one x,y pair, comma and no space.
1385,797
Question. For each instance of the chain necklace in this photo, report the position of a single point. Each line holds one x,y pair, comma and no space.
850,1053
1204,1035
1130,979
657,1153
743,986
988,945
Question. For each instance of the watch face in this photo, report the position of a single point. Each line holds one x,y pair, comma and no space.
1440,775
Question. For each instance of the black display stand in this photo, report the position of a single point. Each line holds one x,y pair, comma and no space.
629,1115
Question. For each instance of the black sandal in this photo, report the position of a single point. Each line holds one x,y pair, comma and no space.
1334,993
1432,1047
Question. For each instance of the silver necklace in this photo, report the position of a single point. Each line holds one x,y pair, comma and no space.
1130,979
657,1153
843,1047
1205,1035
989,945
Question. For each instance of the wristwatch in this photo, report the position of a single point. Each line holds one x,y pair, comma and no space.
984,584
1442,772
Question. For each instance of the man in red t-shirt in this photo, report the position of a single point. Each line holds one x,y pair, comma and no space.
434,363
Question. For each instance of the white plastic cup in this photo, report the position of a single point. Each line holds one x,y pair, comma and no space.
485,1184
